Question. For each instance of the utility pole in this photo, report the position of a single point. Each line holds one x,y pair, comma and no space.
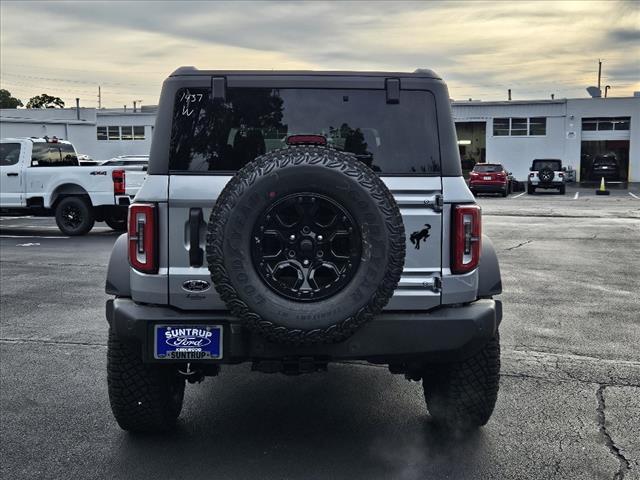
99,98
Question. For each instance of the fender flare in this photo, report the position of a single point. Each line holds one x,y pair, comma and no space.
118,280
489,278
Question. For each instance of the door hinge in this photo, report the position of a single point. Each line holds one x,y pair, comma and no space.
437,204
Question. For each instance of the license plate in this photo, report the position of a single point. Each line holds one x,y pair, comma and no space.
188,342
486,178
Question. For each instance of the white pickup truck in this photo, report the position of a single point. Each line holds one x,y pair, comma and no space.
42,177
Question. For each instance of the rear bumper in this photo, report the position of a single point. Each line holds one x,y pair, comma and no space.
539,184
488,187
444,334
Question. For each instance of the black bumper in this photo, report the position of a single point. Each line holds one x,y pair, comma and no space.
497,188
547,184
444,334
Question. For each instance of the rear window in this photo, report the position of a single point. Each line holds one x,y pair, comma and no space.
554,165
53,155
487,168
9,154
213,135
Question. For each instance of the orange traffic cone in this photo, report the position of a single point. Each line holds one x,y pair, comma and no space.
602,190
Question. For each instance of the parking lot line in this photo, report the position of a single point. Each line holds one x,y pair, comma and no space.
28,236
634,195
575,197
519,195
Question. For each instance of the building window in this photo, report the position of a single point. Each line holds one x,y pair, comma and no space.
138,133
127,133
500,127
519,127
101,133
538,126
114,133
604,124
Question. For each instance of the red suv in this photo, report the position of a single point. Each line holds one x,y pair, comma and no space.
489,178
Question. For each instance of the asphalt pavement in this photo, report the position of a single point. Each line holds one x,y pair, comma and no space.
568,407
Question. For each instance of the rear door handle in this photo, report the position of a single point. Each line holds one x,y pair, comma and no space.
12,174
195,252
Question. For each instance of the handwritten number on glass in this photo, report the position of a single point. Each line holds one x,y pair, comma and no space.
188,100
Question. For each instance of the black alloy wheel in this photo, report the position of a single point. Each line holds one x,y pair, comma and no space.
306,247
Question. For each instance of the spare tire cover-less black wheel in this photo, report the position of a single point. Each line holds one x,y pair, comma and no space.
305,244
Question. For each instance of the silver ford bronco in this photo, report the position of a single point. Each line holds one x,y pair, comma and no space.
294,219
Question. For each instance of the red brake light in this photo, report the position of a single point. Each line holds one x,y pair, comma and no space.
143,247
306,140
466,238
118,182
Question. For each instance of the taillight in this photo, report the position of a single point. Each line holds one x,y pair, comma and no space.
118,182
561,175
467,235
143,247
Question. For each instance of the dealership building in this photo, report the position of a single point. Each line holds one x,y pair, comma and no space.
576,131
512,133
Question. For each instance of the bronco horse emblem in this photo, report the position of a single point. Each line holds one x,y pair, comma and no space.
422,235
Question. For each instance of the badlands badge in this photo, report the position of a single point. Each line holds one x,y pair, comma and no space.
188,342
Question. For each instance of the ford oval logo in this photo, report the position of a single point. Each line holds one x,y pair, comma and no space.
196,286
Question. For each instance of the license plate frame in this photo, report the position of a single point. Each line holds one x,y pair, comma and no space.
190,343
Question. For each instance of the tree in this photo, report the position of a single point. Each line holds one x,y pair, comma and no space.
45,101
7,101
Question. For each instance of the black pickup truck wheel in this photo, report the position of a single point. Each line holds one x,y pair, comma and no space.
305,244
74,216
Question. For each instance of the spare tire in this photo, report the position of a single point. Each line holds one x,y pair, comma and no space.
305,244
546,175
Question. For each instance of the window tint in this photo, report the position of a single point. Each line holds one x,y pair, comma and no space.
101,133
138,133
554,165
215,135
9,154
487,168
114,133
127,133
53,155
518,126
500,127
538,126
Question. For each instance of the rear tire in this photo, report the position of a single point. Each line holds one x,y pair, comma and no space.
463,395
116,219
144,398
563,190
505,192
531,190
74,216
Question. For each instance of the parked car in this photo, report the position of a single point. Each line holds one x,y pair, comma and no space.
43,177
319,248
546,173
490,178
605,166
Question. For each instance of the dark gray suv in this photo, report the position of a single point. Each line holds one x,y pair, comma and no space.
294,219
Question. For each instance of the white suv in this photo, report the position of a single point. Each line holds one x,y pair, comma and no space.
546,173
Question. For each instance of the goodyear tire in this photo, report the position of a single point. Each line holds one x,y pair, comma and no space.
143,398
305,244
462,395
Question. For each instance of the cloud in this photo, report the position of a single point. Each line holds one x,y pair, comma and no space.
480,48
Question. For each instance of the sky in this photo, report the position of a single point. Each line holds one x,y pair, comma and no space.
481,49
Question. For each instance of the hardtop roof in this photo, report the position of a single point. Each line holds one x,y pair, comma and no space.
191,71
